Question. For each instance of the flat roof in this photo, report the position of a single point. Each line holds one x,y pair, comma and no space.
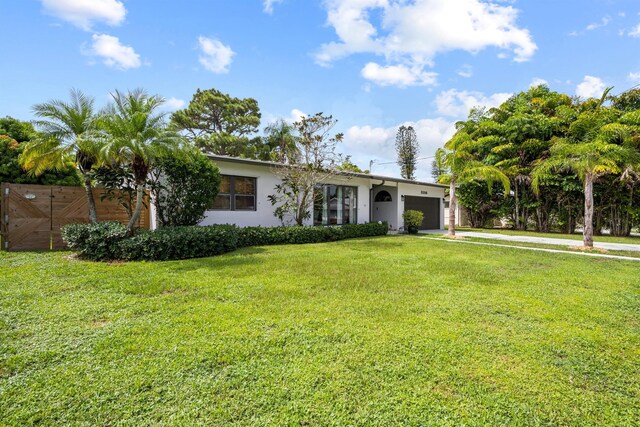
343,173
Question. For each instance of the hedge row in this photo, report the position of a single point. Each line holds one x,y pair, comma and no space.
109,240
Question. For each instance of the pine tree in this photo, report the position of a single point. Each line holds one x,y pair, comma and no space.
407,148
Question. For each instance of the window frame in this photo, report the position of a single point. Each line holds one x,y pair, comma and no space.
325,202
232,194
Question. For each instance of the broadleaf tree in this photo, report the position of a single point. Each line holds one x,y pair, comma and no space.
294,196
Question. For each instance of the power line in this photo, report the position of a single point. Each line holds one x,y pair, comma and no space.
373,162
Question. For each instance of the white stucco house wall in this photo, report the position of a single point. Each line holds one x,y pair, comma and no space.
346,197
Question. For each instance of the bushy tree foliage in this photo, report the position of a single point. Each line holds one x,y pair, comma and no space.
184,186
218,123
14,135
569,162
348,166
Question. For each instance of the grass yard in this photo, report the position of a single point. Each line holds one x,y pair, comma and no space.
383,331
576,249
634,240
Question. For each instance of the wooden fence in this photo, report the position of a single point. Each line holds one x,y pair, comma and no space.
32,215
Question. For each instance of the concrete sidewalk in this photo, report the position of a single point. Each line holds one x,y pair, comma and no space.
542,240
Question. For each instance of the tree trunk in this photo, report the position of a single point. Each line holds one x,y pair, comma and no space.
453,205
93,216
517,205
588,211
133,221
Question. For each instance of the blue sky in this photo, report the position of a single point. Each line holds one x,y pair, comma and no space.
372,64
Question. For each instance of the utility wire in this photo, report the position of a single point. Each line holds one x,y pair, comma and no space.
373,162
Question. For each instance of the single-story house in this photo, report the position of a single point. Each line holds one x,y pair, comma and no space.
347,197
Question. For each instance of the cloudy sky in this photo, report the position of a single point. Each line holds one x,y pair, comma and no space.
372,64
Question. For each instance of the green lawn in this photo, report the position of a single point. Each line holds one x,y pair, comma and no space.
576,249
384,331
578,236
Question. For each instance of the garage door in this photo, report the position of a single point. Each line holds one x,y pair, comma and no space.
429,206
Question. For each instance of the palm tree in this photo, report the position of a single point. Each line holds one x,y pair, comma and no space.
68,134
599,143
590,161
280,137
137,136
463,167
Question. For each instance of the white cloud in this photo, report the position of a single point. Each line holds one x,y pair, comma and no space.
294,116
114,53
591,87
606,20
635,32
215,57
173,104
603,23
413,33
84,13
268,5
456,103
634,77
366,143
537,81
398,75
465,71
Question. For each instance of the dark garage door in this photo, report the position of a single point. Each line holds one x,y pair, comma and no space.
429,206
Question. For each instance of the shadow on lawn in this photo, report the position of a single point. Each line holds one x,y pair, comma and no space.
237,258
374,243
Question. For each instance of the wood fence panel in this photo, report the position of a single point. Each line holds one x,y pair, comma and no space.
69,206
111,210
28,210
32,215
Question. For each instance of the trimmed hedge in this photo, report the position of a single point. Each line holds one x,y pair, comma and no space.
109,240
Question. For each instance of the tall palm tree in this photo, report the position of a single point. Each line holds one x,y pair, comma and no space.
464,167
280,137
68,133
599,142
137,136
589,160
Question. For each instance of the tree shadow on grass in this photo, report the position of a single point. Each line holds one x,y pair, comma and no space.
238,258
374,243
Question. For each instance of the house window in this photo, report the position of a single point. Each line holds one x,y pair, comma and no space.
383,196
237,193
335,205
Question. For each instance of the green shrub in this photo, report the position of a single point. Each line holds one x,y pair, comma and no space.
412,220
179,243
109,241
259,236
96,242
184,187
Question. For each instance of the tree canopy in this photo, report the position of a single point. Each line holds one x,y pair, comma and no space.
221,124
549,144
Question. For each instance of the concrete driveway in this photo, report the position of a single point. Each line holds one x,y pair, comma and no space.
542,240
